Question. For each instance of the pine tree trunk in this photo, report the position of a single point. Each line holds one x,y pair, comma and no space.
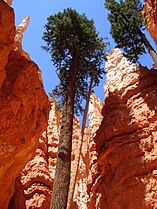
150,49
63,165
77,157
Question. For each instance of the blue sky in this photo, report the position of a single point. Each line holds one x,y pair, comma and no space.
39,11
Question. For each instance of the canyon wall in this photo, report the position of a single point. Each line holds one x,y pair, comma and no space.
24,107
37,177
118,165
126,141
88,168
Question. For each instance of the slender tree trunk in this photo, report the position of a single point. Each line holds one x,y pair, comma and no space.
63,165
78,153
150,49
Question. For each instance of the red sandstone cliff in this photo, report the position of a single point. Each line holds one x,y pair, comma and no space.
118,167
118,162
37,177
24,107
126,140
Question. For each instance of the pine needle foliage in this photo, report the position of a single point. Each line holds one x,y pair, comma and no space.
69,35
126,20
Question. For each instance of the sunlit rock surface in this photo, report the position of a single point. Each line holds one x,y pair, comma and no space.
24,107
20,29
118,166
126,140
9,2
38,175
118,163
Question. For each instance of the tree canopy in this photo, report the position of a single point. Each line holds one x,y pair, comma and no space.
70,35
127,23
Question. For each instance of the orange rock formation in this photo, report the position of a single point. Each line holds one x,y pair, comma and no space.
24,107
118,166
38,175
9,2
126,140
6,37
118,161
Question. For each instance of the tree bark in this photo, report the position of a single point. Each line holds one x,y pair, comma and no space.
148,46
63,165
78,153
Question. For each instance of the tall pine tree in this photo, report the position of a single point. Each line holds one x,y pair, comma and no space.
127,25
74,46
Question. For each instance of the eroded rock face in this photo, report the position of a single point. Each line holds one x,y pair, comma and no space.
24,107
126,140
95,118
150,9
38,175
118,163
88,168
20,29
6,36
9,2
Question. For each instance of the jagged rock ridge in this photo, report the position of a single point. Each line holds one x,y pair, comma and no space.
24,107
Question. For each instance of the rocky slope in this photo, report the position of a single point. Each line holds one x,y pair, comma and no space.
24,107
126,140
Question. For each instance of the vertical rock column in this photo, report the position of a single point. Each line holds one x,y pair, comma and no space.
88,169
38,175
126,141
95,117
24,107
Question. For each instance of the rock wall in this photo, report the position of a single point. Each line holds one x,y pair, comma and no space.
37,177
118,161
118,166
150,9
6,37
88,160
126,140
24,107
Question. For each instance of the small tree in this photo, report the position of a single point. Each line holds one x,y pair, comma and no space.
74,46
127,23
